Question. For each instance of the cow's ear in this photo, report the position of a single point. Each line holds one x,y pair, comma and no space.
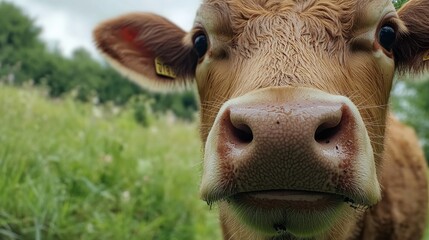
411,49
148,49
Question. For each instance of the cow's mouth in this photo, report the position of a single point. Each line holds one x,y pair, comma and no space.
293,199
295,212
286,198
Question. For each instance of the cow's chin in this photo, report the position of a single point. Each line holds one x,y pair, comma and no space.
291,214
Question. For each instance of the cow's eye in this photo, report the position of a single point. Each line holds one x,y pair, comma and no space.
387,37
200,44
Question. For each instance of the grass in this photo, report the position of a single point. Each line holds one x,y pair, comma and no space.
66,172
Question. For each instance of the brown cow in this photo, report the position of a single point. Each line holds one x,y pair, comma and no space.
299,142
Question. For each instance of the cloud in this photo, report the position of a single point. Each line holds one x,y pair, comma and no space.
68,24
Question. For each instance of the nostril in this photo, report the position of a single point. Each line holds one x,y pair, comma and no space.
242,133
327,131
236,128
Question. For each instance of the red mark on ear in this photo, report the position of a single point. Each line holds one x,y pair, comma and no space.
128,34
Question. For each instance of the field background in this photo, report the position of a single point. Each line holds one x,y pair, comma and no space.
76,171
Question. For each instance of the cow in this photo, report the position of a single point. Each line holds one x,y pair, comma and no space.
299,142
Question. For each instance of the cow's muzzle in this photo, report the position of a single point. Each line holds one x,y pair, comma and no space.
289,148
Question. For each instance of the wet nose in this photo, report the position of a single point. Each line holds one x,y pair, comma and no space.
256,131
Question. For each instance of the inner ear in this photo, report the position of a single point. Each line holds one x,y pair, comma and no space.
148,49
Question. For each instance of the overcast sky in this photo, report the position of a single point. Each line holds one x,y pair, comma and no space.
67,24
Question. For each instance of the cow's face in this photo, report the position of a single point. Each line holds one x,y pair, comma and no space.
294,99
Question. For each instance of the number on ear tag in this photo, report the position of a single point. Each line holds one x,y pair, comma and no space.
163,69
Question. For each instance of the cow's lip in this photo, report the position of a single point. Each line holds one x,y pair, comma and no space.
283,197
289,212
294,199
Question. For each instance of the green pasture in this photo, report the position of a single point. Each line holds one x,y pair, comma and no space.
75,171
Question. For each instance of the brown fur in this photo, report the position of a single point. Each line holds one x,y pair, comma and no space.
323,13
403,210
324,44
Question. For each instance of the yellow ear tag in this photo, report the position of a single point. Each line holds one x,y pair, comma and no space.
163,69
426,57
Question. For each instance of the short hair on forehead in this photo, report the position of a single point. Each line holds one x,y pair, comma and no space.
232,15
328,23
